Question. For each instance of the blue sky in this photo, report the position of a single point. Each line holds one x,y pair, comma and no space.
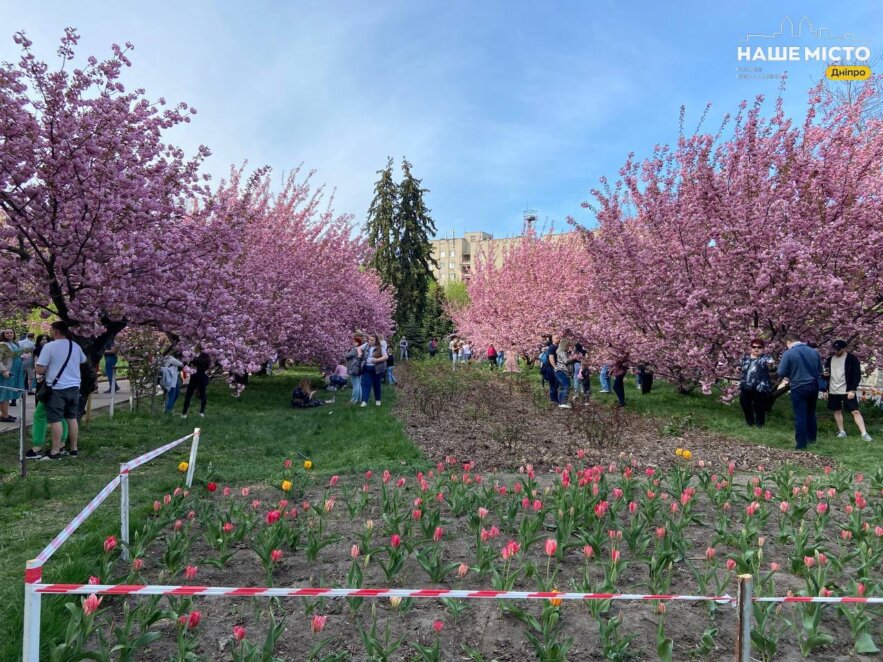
499,105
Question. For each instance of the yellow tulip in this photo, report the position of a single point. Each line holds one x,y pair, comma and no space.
687,455
679,452
183,467
286,485
555,602
308,465
395,601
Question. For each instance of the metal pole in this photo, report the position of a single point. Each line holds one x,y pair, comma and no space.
744,604
191,466
113,392
31,640
22,457
124,511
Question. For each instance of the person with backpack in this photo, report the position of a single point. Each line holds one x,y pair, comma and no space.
59,366
170,381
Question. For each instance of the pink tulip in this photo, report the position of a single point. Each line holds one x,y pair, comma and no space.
633,507
167,499
178,525
615,555
400,482
386,476
318,624
537,505
226,491
878,531
244,491
809,561
710,553
821,508
775,567
190,572
588,552
91,604
395,541
462,570
784,506
438,626
846,535
334,480
860,589
156,506
110,544
416,514
660,531
482,513
193,620
93,580
228,527
191,515
823,560
273,517
276,555
437,534
255,504
238,632
731,564
287,464
551,546
137,564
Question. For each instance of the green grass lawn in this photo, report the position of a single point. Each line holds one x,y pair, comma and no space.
243,442
708,412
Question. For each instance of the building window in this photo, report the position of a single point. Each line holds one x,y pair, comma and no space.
442,253
450,265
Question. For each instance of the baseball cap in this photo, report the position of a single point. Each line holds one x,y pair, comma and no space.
839,344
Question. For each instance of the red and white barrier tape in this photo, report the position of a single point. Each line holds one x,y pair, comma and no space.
68,531
257,591
830,600
156,452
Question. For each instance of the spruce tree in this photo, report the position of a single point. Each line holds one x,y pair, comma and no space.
399,227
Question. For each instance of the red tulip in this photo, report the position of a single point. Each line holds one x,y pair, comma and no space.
91,604
318,624
211,487
438,626
110,544
395,541
238,632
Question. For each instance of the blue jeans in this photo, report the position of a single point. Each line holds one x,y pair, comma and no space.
390,378
577,384
172,397
563,386
356,382
803,401
605,377
619,389
370,379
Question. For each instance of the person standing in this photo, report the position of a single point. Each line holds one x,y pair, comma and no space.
755,385
800,368
12,374
390,377
433,348
374,354
110,365
563,366
550,367
492,356
579,355
604,377
170,381
354,368
619,369
39,425
198,382
466,352
27,344
59,365
403,349
844,373
511,364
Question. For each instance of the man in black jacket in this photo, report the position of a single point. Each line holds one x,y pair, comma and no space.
844,372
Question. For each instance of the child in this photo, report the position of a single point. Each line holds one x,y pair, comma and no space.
302,397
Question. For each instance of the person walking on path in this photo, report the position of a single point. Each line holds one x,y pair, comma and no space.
198,382
563,368
619,369
354,368
403,349
12,374
844,373
801,367
110,366
755,385
59,365
373,355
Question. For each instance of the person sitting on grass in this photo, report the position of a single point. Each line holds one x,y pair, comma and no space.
302,396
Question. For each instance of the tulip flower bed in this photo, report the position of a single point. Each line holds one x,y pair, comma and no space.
623,527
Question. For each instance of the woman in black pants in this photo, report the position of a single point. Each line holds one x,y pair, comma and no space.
198,382
755,385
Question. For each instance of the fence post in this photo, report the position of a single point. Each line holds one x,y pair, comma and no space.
124,511
31,639
191,466
21,435
113,392
744,605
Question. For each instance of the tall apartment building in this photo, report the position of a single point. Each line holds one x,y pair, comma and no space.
456,256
